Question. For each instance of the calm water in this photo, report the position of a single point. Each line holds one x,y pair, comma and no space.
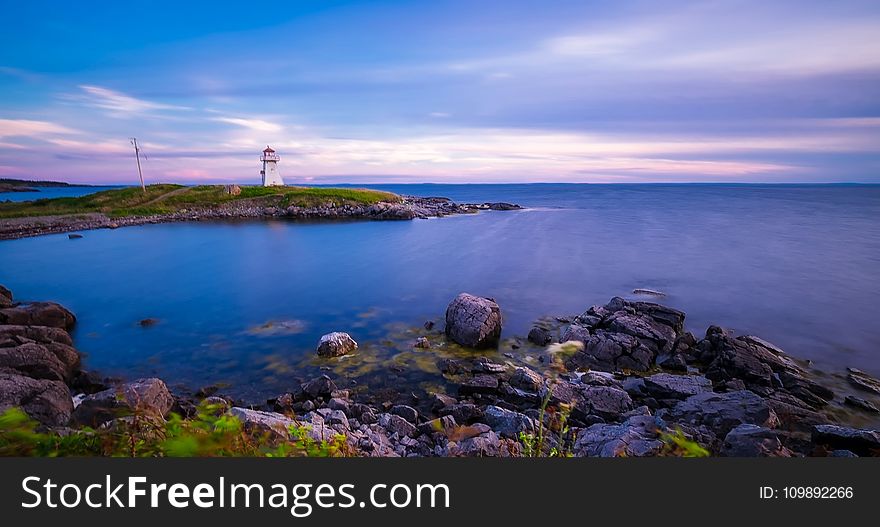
51,192
797,265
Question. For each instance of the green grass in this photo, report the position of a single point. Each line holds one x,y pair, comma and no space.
163,199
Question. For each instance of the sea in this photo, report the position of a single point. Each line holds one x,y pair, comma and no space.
241,305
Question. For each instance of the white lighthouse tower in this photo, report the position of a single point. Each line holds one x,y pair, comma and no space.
269,174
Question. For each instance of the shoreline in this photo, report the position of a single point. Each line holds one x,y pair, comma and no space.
621,379
409,208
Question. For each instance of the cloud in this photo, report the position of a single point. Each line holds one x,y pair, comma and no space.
33,129
119,104
258,125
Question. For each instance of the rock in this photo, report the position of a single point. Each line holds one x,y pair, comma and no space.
576,332
275,425
445,425
55,340
653,334
749,440
862,404
485,445
337,403
861,442
804,389
450,366
746,358
34,360
422,342
669,386
526,379
607,401
336,344
407,412
74,236
38,314
841,453
540,336
484,365
429,325
323,386
608,351
793,414
638,436
507,423
658,313
47,401
464,413
232,190
675,362
722,412
395,424
144,396
473,321
148,322
5,297
485,383
862,380
441,400
648,292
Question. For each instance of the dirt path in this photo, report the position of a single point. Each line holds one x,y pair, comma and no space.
163,196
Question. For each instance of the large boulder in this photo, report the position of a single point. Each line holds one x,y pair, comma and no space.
638,436
47,401
149,397
473,321
722,412
54,340
34,360
38,314
336,344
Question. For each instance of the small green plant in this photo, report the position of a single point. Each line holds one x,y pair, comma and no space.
210,433
534,444
676,444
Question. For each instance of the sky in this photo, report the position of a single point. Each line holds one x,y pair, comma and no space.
442,91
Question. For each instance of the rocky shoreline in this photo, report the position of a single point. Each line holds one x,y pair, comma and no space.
410,207
621,379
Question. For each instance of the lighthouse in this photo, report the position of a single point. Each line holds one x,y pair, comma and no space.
269,174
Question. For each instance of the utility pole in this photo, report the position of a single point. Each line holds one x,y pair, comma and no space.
137,156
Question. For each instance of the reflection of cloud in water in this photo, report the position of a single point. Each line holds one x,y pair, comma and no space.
278,327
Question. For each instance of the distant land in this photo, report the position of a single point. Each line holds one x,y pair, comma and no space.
24,185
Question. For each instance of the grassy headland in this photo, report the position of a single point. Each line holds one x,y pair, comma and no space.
166,199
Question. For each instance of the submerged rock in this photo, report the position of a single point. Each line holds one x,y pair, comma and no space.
336,344
864,381
473,321
860,403
648,292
